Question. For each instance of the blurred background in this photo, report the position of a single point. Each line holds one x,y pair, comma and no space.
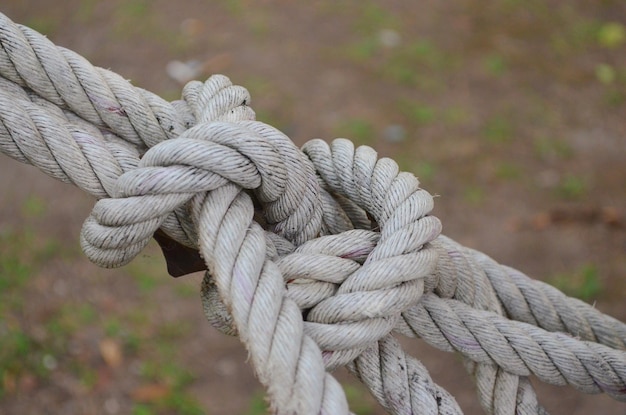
511,112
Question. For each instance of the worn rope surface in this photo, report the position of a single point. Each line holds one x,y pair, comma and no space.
316,258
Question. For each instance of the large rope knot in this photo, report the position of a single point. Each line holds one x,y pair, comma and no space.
351,276
223,146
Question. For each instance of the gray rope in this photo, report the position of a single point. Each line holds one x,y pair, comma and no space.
314,257
519,348
471,288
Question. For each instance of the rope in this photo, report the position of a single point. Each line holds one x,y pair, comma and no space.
316,258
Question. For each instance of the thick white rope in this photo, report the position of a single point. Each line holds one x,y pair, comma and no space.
313,258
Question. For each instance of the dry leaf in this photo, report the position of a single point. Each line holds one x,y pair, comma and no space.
541,221
111,352
150,393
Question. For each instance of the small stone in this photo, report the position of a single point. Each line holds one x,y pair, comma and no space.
111,406
389,38
548,178
49,362
183,72
226,367
394,133
59,287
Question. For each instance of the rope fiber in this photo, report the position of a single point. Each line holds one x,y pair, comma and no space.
315,258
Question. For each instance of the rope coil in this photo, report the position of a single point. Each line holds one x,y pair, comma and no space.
316,258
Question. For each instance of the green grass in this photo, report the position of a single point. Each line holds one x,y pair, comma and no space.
70,318
605,73
186,290
356,129
141,409
372,17
453,116
23,354
15,264
86,374
20,354
359,399
420,63
183,404
498,129
417,63
135,19
176,378
495,64
275,118
113,327
234,7
614,98
134,9
258,404
86,11
416,112
508,171
363,49
34,207
43,24
424,170
611,35
147,270
574,38
159,365
548,148
257,85
22,255
583,283
474,195
173,330
424,51
145,281
572,187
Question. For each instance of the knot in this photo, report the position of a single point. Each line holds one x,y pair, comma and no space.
352,287
325,301
224,146
350,250
375,274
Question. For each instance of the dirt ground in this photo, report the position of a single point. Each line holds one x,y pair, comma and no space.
511,112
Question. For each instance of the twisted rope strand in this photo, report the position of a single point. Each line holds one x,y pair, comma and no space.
61,145
99,96
286,360
522,298
400,383
519,348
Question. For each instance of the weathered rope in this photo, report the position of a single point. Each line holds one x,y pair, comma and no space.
314,257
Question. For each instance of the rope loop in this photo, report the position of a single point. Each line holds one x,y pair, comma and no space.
225,146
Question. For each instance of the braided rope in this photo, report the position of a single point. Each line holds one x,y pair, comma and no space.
314,257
